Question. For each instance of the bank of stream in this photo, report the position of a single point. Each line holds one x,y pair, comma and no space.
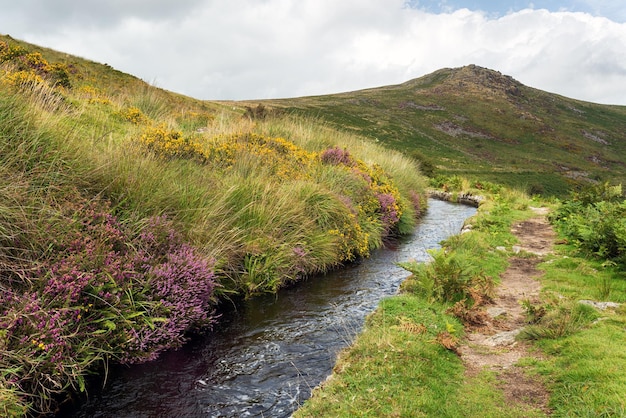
267,355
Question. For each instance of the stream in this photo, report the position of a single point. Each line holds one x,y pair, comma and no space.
267,355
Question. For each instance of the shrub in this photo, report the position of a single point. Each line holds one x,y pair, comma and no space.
10,52
177,285
594,219
99,291
448,277
337,156
134,115
32,67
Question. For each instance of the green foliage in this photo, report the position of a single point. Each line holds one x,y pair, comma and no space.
594,219
448,277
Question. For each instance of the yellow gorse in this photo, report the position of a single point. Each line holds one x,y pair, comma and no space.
283,158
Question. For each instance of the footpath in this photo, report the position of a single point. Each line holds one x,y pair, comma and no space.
492,346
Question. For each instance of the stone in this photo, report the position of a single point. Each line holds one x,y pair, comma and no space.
603,306
496,311
503,338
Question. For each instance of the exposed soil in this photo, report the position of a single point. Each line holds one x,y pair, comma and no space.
493,346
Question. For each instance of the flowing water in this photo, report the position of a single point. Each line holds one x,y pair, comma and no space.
267,355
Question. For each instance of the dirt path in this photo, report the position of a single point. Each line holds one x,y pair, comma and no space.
493,346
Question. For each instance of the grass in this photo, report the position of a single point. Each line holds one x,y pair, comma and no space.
585,367
479,396
404,363
582,362
586,370
497,129
378,375
128,212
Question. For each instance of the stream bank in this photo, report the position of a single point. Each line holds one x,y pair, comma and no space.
272,350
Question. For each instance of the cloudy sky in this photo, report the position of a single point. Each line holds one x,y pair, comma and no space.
254,49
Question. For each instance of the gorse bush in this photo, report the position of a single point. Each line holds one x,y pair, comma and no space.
32,68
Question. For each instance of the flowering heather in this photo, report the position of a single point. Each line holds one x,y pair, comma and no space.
299,251
102,292
180,284
389,210
337,156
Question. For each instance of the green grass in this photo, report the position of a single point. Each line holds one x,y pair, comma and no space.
87,171
399,366
479,396
585,369
391,371
506,132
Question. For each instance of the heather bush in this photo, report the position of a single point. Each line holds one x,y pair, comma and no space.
101,292
179,285
336,156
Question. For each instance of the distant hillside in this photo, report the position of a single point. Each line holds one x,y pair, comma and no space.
478,122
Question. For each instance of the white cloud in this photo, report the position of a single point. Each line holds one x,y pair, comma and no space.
246,49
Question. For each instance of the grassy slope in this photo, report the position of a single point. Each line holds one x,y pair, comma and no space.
485,125
126,211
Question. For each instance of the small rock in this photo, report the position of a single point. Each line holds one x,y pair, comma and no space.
517,249
600,305
500,248
503,338
495,311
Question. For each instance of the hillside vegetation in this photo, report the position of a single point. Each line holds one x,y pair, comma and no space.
485,125
128,212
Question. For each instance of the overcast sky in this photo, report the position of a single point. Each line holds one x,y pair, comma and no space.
255,49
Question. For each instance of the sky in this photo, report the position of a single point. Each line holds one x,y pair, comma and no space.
262,49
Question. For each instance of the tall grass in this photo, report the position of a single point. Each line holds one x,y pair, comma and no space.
316,135
125,211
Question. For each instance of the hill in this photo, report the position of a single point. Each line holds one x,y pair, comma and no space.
481,123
